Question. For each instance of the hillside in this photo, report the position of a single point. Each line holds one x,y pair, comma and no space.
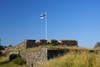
72,59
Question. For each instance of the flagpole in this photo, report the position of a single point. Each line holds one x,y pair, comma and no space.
46,25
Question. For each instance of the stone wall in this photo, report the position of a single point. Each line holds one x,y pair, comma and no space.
42,41
22,45
32,43
27,44
34,57
52,41
8,50
68,42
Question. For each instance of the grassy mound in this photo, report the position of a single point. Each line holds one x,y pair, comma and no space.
83,59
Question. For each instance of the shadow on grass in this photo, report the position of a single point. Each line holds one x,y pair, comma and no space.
5,62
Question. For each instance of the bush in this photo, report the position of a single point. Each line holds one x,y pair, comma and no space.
18,61
53,44
10,45
97,44
2,54
13,56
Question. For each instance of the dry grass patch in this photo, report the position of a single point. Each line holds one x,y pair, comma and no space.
51,47
83,59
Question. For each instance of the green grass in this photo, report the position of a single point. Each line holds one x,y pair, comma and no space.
4,62
72,59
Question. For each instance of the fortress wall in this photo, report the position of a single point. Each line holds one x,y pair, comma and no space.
68,42
42,41
31,43
53,41
27,44
34,57
22,45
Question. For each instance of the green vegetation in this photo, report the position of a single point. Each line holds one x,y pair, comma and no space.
19,61
97,44
13,56
0,41
10,45
1,48
72,59
4,62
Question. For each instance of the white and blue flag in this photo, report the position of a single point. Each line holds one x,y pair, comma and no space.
43,16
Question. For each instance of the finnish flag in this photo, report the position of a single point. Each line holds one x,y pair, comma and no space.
43,16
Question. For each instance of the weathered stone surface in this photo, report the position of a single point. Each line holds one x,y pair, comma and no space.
32,43
34,57
68,42
42,41
27,44
52,41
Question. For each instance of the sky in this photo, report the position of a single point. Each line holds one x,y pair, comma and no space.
66,19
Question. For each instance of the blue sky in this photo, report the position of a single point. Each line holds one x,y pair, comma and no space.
66,19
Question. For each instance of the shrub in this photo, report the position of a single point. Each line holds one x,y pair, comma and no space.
53,44
2,54
10,45
97,44
1,48
13,56
19,61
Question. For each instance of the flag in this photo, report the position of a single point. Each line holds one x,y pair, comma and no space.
43,16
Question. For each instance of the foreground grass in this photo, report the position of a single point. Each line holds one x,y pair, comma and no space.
4,62
83,59
72,59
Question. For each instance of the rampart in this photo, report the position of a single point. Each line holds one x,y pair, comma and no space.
42,41
32,43
38,56
27,44
68,42
52,41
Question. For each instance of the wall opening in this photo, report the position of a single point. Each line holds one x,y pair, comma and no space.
55,53
31,65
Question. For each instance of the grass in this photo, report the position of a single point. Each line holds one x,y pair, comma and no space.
83,59
4,62
71,59
51,47
55,47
